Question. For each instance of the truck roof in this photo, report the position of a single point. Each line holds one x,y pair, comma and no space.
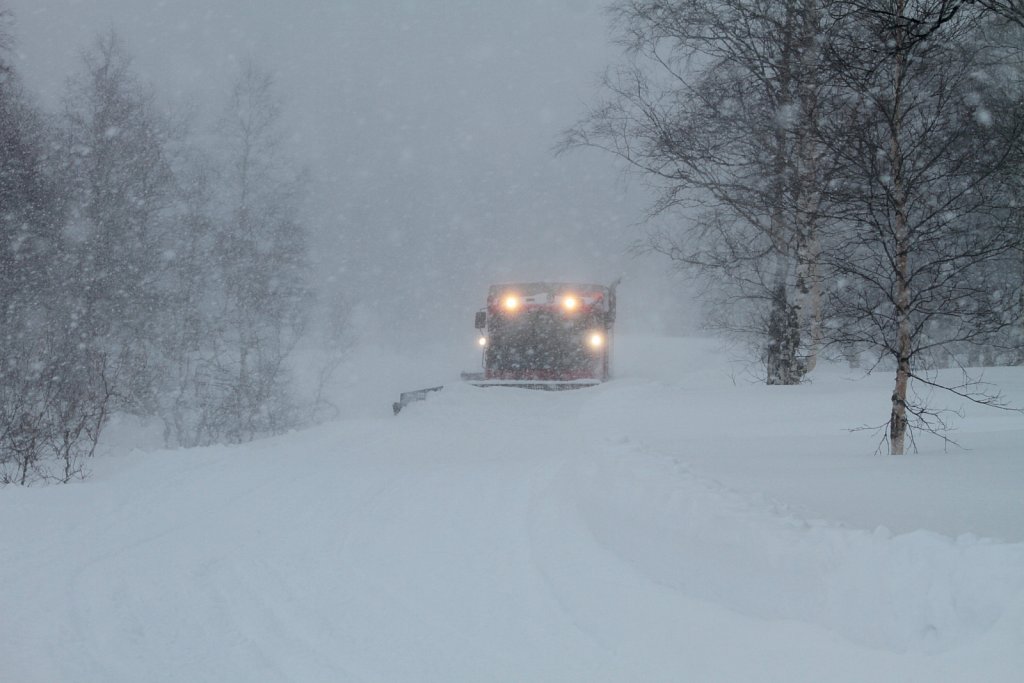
531,288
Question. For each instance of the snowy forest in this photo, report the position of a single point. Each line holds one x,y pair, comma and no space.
148,267
841,179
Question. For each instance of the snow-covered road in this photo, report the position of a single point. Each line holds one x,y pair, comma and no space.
631,532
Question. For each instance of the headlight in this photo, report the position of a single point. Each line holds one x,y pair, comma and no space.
482,341
596,340
570,303
510,302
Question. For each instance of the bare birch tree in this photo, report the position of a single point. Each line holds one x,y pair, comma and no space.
919,200
55,390
920,19
718,108
122,188
262,260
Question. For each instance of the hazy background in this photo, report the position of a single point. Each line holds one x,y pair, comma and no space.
427,127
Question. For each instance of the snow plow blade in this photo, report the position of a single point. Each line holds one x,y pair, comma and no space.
544,385
408,397
477,380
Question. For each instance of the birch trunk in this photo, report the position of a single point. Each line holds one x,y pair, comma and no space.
808,194
901,252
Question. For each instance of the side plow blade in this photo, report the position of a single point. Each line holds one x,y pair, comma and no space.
476,379
408,397
544,385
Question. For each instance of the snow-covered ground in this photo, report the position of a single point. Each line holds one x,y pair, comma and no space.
675,524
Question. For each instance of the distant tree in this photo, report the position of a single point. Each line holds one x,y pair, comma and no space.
5,39
334,337
920,196
261,254
115,140
1003,110
999,106
185,400
54,402
54,393
28,198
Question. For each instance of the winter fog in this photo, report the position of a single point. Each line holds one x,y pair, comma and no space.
427,129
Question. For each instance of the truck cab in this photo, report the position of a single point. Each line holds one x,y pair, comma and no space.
547,332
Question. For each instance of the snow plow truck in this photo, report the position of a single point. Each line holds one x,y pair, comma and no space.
541,335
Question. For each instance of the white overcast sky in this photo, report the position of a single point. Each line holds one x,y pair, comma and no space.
427,125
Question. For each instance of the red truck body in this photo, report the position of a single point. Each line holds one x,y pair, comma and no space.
547,332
